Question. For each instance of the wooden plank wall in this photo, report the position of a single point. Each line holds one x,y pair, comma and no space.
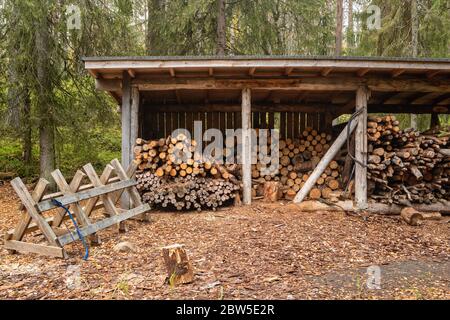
290,124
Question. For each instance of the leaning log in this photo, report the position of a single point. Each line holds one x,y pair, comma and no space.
324,162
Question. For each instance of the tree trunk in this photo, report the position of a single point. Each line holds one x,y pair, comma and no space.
434,123
414,44
414,28
221,28
27,130
339,23
350,31
44,101
153,9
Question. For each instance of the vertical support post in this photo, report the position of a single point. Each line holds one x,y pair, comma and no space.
126,129
134,130
362,97
246,146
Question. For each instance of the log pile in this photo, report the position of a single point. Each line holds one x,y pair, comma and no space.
175,157
405,166
171,175
298,158
185,193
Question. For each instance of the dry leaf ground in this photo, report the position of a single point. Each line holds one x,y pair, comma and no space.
265,251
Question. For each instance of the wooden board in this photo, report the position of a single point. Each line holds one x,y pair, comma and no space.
190,123
174,122
105,223
290,125
26,247
21,190
255,120
302,122
84,195
182,120
282,125
230,123
296,116
271,123
322,123
237,120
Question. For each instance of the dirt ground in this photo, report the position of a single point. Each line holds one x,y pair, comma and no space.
266,251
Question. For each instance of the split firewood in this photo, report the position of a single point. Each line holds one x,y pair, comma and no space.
405,165
271,191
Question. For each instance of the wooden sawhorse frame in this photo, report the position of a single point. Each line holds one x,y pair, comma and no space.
102,192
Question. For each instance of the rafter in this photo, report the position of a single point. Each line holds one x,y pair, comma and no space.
325,72
397,73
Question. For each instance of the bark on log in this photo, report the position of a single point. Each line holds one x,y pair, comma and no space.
271,191
411,216
179,268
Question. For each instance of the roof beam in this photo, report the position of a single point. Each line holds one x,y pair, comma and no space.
325,72
94,73
362,72
416,98
132,73
432,74
372,64
108,85
296,107
397,73
288,71
177,94
313,84
440,99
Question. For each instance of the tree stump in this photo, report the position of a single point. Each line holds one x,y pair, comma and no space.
179,268
271,191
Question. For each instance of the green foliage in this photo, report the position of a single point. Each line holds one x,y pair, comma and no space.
11,159
86,122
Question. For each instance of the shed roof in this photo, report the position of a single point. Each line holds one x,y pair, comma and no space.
405,82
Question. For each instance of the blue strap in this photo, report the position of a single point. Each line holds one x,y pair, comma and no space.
59,204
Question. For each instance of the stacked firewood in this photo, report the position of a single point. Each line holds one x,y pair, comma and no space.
405,166
171,174
298,158
185,193
175,156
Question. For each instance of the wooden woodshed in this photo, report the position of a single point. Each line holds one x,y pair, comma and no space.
160,94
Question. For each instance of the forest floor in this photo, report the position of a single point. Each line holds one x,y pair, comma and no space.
265,251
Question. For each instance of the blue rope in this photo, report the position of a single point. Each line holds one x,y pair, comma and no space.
59,204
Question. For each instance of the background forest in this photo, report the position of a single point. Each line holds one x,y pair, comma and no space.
51,115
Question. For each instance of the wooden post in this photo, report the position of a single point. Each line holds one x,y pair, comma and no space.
126,119
362,97
134,121
126,129
246,146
